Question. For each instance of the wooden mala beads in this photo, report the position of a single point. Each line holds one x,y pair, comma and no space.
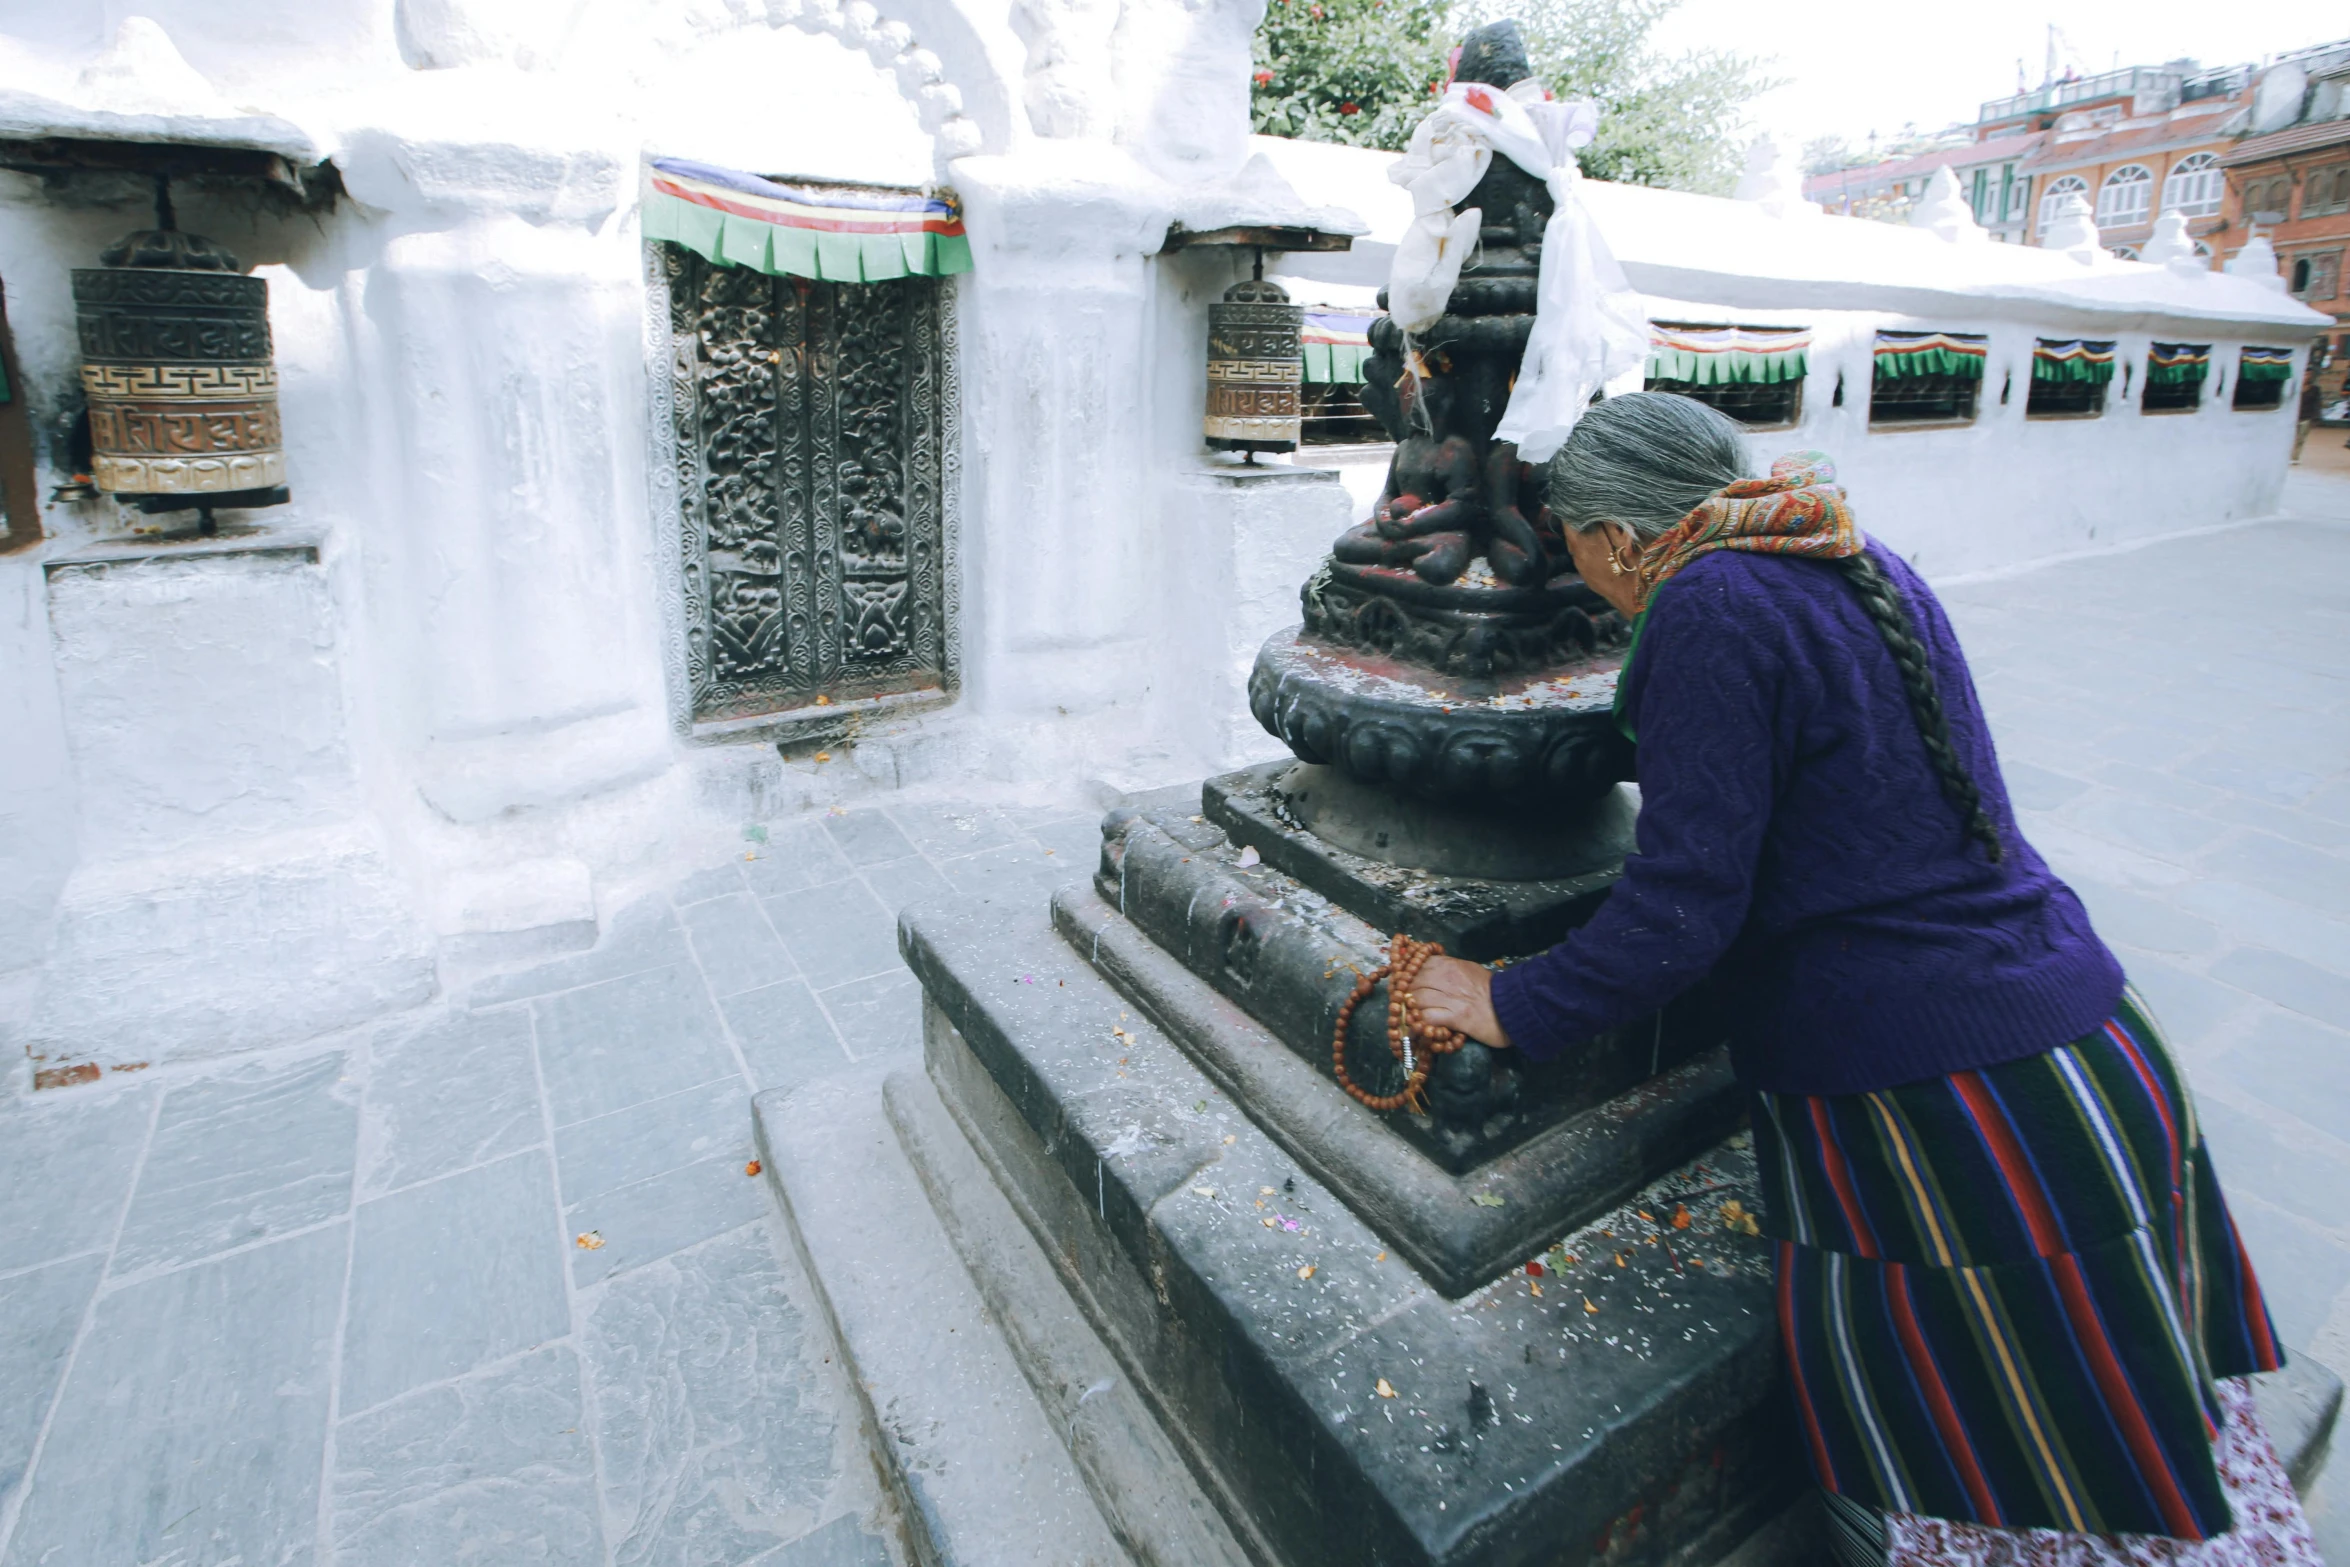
1412,1040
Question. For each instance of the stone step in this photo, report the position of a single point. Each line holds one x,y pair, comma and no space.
1138,1478
982,1477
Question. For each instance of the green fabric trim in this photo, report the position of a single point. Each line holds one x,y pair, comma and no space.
1895,364
2071,370
2158,374
1624,671
1340,363
729,240
1729,367
2263,370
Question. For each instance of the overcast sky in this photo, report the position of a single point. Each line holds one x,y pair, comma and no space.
1854,66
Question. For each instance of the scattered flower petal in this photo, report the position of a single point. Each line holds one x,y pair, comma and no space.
1248,857
1203,1191
1590,1308
1487,1200
1383,1390
589,1240
1306,1272
753,1168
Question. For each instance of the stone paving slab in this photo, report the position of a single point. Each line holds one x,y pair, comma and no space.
329,1306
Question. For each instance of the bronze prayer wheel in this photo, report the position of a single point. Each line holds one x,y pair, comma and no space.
177,371
1255,365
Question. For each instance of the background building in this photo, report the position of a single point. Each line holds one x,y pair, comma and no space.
2289,178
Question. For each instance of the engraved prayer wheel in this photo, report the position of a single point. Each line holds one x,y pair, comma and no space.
1255,364
176,367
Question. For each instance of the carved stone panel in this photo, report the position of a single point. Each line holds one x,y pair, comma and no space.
808,450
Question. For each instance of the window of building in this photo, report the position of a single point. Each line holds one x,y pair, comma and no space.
1927,377
2069,377
2175,373
2195,186
2325,192
2261,375
2019,195
2057,189
2126,197
1752,373
2265,200
2317,274
2125,252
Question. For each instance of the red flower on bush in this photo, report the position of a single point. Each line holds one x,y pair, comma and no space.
1350,108
1264,78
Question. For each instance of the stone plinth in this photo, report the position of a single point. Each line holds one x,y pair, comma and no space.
232,891
1328,1394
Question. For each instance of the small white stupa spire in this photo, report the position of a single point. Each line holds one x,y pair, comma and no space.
1944,211
1773,182
2174,248
2072,230
2257,261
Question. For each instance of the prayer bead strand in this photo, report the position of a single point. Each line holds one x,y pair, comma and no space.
1405,1027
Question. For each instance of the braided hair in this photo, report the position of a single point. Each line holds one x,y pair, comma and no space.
1882,600
1646,459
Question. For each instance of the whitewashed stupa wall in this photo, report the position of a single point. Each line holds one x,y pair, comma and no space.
463,349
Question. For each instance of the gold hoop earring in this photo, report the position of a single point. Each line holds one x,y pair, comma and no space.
1614,563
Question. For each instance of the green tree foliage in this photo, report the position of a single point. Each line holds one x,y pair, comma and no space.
1363,72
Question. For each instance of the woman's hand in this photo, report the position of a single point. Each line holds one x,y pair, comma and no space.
1459,996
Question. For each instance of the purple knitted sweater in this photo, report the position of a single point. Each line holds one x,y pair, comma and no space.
1794,842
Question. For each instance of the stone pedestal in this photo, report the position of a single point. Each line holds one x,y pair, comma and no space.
1216,1210
1331,1311
231,891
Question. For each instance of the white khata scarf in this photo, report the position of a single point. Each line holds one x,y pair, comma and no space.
1588,326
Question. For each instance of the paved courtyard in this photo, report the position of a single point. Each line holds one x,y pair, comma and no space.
492,1285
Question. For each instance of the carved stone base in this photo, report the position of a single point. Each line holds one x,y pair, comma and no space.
1290,956
1471,629
1544,738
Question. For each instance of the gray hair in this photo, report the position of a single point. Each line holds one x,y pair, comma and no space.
1644,460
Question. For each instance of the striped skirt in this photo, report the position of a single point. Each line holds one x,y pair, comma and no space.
2006,1295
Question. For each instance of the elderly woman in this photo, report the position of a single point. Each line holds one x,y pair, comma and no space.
2015,1312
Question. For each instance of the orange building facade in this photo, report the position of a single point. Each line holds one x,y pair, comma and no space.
2290,180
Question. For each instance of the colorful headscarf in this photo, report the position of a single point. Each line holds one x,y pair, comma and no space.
1799,510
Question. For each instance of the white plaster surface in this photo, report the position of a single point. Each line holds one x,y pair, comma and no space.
1240,542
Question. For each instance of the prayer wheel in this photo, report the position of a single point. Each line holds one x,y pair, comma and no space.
176,367
1255,364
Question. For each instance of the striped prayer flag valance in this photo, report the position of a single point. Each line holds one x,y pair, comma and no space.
2266,364
839,233
1336,345
2074,359
1904,354
1728,355
2175,364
